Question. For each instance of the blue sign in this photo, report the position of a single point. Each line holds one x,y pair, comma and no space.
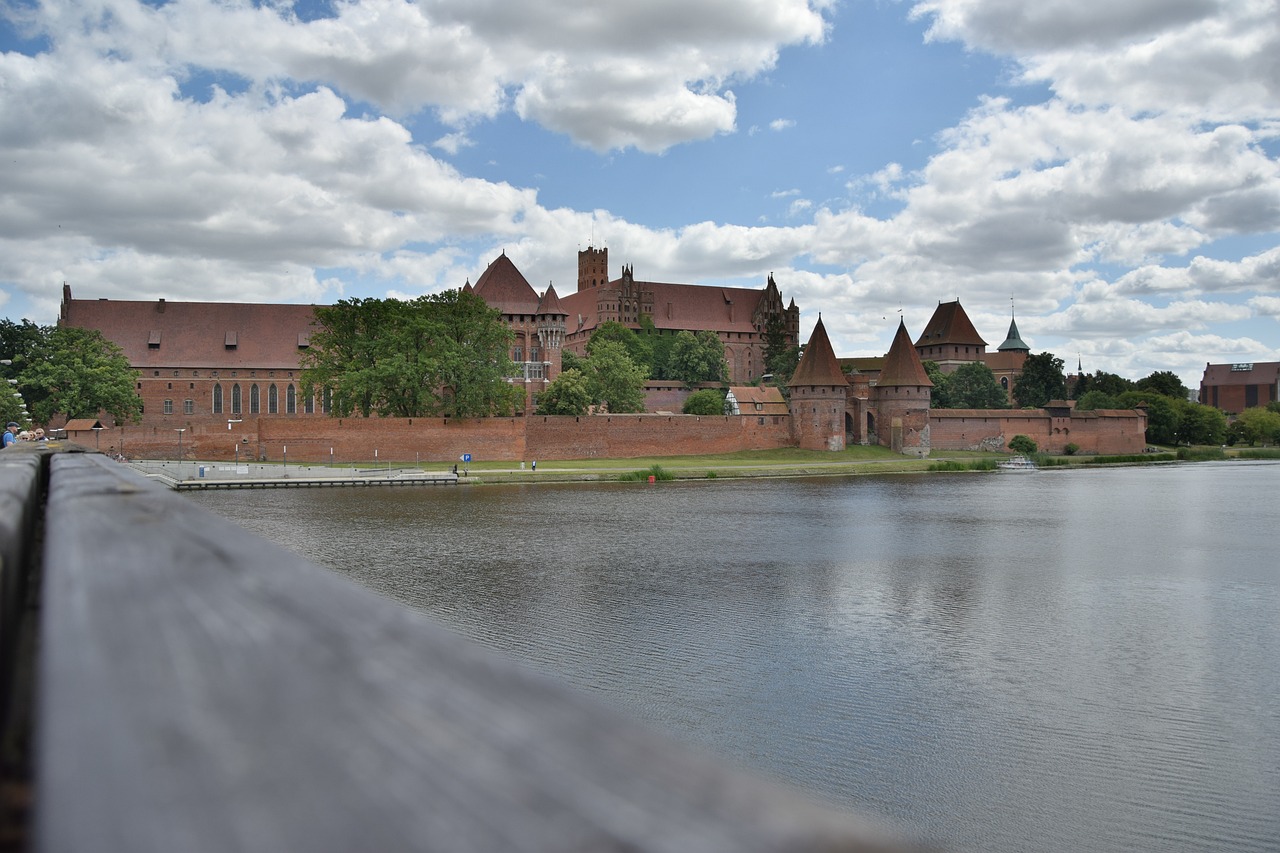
466,457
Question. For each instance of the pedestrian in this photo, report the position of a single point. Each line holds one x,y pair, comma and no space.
10,434
535,466
40,434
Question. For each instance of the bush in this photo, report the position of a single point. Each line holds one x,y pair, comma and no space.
1071,449
1022,444
708,401
657,472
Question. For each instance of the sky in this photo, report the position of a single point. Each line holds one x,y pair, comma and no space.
1109,171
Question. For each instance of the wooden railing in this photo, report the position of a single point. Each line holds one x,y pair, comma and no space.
201,689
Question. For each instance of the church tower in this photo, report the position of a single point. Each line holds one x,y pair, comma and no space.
593,268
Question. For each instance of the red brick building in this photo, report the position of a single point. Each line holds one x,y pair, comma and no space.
951,340
739,316
1236,387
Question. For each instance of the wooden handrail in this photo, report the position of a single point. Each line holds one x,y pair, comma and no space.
202,689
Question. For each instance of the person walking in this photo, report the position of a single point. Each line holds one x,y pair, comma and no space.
10,433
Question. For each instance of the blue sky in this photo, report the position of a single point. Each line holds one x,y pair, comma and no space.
1112,170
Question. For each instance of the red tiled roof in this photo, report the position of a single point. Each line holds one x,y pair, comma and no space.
818,365
950,325
550,303
902,364
197,334
677,306
769,398
1258,373
504,287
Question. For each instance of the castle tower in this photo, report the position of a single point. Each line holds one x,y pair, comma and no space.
550,326
949,339
818,396
900,399
593,268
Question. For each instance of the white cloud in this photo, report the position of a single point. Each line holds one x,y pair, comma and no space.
779,124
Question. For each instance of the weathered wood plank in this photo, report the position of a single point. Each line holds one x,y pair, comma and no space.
202,689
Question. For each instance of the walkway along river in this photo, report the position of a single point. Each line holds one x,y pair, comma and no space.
1071,660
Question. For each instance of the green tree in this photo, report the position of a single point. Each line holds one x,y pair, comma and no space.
567,394
1255,425
1162,415
1098,400
614,379
444,354
80,374
1164,382
1042,380
639,348
940,394
697,358
974,386
776,350
659,347
571,361
1022,444
783,366
1200,424
708,401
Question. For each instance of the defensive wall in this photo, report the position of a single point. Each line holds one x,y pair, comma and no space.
444,440
1107,431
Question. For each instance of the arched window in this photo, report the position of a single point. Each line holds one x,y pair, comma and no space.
255,400
217,399
273,400
235,399
309,405
328,401
290,401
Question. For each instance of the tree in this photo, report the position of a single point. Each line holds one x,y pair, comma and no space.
708,401
1164,382
1022,444
567,394
974,386
1098,400
1200,424
697,358
783,366
940,394
776,351
1256,424
659,347
78,373
1042,380
638,347
614,379
445,354
1162,415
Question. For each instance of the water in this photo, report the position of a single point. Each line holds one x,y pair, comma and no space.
1061,661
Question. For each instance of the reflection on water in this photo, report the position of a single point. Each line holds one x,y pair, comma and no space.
1085,660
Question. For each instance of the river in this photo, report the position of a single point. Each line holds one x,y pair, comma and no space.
1056,661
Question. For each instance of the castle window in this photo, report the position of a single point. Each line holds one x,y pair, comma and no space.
517,355
188,407
235,399
255,401
168,407
217,399
309,405
273,400
326,403
290,401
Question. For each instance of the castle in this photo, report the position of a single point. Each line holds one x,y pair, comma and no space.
232,371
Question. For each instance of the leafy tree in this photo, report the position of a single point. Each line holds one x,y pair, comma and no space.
1162,415
776,350
974,386
567,394
708,401
614,379
639,349
1042,380
697,358
570,361
17,342
1110,384
1200,424
78,373
444,354
659,347
1256,424
1022,444
940,394
1164,382
783,365
1098,400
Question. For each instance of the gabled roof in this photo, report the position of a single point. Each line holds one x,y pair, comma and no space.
902,364
950,325
502,286
818,365
550,303
1013,341
677,307
214,335
1242,373
756,400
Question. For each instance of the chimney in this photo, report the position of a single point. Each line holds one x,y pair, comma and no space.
160,307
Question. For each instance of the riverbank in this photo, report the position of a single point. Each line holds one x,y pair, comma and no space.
788,462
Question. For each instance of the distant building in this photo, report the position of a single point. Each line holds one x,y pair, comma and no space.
950,340
740,316
762,400
1244,385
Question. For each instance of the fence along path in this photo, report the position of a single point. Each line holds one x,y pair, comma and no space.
201,689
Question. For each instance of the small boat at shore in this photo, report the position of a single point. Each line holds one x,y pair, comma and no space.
1016,463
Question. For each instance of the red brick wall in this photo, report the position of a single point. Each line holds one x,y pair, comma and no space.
1095,432
445,440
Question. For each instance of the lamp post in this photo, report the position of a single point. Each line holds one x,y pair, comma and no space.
97,437
180,432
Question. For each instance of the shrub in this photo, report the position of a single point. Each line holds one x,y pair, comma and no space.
657,472
1071,449
1022,444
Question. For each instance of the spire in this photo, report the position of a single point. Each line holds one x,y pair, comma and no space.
1013,343
818,365
902,364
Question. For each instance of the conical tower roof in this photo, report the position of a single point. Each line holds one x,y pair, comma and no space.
818,365
502,286
1014,342
950,325
902,364
550,303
